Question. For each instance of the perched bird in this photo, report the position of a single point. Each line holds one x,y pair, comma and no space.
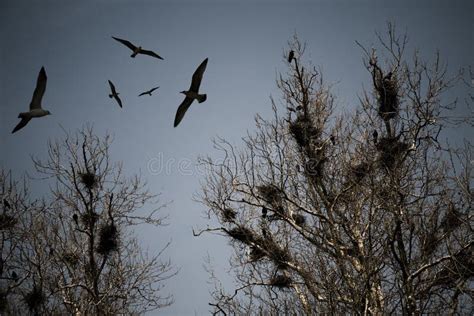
192,93
6,204
291,56
75,218
137,50
148,92
333,139
114,94
375,135
35,104
14,276
264,212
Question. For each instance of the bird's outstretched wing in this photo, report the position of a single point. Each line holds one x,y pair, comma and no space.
20,125
125,42
150,53
143,93
183,107
39,90
112,87
117,98
197,76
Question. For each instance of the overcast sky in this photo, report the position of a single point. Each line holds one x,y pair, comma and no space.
244,41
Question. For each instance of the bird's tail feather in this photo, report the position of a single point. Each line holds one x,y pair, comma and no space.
201,98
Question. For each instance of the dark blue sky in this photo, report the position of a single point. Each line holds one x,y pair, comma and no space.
244,41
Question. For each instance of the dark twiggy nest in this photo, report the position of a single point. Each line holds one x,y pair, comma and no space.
281,281
89,179
228,214
71,258
279,256
269,193
430,242
299,219
241,234
359,171
108,239
387,93
303,131
256,253
452,219
89,218
35,298
7,221
391,151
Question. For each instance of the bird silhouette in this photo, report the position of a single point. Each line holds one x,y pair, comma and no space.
137,49
114,94
375,135
192,93
35,104
148,92
291,56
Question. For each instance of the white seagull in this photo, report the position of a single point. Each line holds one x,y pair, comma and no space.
192,93
35,104
137,50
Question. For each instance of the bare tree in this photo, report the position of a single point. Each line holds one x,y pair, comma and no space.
366,213
78,250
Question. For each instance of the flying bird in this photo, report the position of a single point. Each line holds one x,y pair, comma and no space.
114,94
35,104
137,50
192,93
291,56
148,92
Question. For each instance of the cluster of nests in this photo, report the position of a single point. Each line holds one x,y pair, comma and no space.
391,151
261,248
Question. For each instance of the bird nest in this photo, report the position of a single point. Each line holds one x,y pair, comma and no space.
108,239
89,180
256,253
299,219
303,131
281,281
391,151
71,258
242,234
89,218
35,298
269,193
228,214
7,221
359,171
387,95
